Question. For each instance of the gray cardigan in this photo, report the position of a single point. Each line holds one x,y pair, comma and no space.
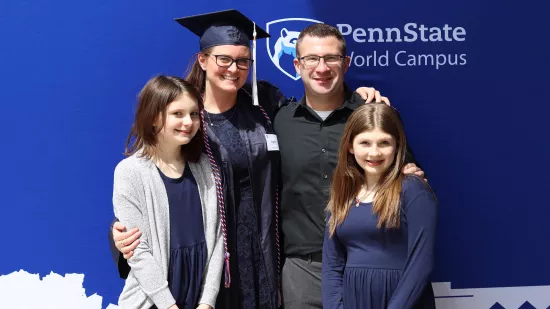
140,200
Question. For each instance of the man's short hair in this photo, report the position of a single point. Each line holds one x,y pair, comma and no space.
322,31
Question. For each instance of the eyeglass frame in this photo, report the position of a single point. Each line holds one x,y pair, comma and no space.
250,61
301,59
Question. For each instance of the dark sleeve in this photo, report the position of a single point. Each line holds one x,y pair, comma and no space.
334,261
280,216
420,211
120,261
271,98
409,156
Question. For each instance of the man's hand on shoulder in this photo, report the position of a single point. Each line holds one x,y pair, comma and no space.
412,169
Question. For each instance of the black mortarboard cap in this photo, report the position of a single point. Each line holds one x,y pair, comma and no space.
229,27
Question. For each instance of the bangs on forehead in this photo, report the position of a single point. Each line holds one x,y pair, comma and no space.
188,102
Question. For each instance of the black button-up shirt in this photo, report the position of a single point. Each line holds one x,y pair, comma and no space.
309,153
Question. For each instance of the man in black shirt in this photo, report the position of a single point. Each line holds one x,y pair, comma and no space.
308,133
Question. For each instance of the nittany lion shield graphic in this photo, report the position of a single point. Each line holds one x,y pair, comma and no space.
281,46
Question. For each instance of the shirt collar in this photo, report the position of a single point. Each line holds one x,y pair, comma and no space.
351,100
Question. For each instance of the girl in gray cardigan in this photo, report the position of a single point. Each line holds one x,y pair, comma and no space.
165,188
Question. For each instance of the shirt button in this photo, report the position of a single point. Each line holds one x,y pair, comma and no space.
323,150
326,176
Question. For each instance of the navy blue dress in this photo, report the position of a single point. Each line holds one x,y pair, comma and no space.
188,252
253,288
369,268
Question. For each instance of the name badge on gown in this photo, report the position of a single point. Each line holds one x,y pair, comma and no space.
272,143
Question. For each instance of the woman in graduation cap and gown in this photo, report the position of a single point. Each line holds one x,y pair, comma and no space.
242,147
246,169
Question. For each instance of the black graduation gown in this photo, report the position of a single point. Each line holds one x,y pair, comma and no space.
264,168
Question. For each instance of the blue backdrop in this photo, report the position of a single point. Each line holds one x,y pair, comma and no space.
469,77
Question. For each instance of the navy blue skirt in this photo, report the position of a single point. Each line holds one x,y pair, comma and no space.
188,251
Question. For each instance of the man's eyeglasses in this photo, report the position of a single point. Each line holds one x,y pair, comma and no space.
226,61
313,60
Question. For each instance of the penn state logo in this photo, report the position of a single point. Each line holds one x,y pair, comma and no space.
282,46
234,34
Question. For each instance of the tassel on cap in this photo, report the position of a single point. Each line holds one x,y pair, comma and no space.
254,84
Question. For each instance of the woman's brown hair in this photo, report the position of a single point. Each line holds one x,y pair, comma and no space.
349,176
153,101
196,76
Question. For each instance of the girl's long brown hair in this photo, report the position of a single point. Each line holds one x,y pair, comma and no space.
153,100
349,176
